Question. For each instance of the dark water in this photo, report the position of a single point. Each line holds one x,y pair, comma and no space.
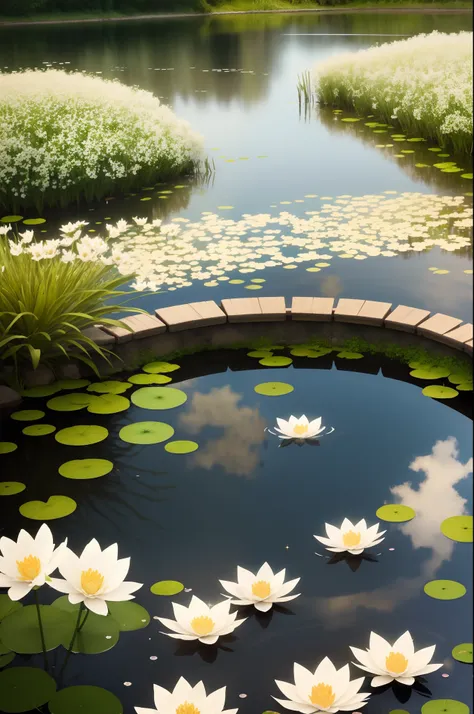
252,112
242,500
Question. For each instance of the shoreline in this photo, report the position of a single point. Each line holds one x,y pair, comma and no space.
169,16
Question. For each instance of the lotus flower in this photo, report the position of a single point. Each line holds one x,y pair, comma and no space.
201,622
185,699
397,662
327,690
95,577
260,590
351,538
27,563
300,428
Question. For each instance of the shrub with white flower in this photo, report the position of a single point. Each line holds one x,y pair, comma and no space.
64,136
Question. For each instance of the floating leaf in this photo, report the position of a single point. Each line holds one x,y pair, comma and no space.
11,488
464,387
395,513
313,270
45,390
259,354
300,351
167,587
109,404
467,176
149,379
6,447
159,397
72,383
415,140
430,373
19,631
82,699
422,166
444,706
81,435
146,432
436,391
273,389
39,430
444,589
349,355
110,386
28,415
129,616
71,402
98,634
146,198
236,282
253,287
34,221
458,528
459,377
82,469
11,219
54,507
350,119
463,653
23,689
8,606
258,280
160,367
6,659
441,272
323,265
181,447
275,361
451,170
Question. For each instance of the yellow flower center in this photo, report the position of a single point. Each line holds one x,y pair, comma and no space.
300,429
187,708
261,589
396,663
91,581
29,568
322,696
202,626
350,539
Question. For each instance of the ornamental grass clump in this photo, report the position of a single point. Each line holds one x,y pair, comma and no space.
424,84
68,137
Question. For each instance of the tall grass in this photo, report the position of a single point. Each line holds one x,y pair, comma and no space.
423,83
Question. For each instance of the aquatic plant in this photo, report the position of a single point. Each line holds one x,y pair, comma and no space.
398,662
186,699
262,590
71,136
351,538
299,428
201,622
424,83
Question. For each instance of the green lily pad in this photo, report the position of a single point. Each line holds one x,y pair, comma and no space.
109,404
436,391
11,219
253,287
451,170
459,377
19,631
273,389
435,149
146,432
236,282
159,397
430,373
6,659
54,507
110,386
276,361
167,587
300,351
463,653
146,198
181,447
83,469
322,352
258,280
6,447
129,616
39,430
25,688
458,528
98,634
149,379
72,402
422,166
415,139
259,354
349,355
351,120
34,221
464,387
72,383
82,699
395,513
45,390
28,415
11,488
467,176
160,367
8,606
444,706
444,589
81,435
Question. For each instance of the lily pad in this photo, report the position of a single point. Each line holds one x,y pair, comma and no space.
8,606
300,351
19,631
6,447
6,659
81,435
54,507
253,287
129,616
275,361
444,589
458,528
44,390
149,379
146,432
395,513
459,377
72,383
159,397
181,447
465,387
467,176
11,488
23,689
110,386
160,367
463,653
71,402
351,120
273,389
236,282
34,221
84,469
98,634
444,706
11,219
258,280
259,354
28,415
82,699
430,373
349,355
436,391
167,587
109,404
39,430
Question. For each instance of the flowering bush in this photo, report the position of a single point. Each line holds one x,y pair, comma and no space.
68,136
424,83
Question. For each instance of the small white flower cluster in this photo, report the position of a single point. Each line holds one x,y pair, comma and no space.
65,135
425,82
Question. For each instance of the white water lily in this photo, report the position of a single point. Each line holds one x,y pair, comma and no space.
397,662
325,690
95,577
186,699
26,563
261,590
300,428
351,538
201,622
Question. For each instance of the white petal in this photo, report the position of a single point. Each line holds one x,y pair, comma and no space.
405,645
287,587
379,650
209,639
123,592
96,605
294,707
421,658
293,692
263,606
18,590
381,680
405,680
425,670
175,626
304,680
232,588
161,697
